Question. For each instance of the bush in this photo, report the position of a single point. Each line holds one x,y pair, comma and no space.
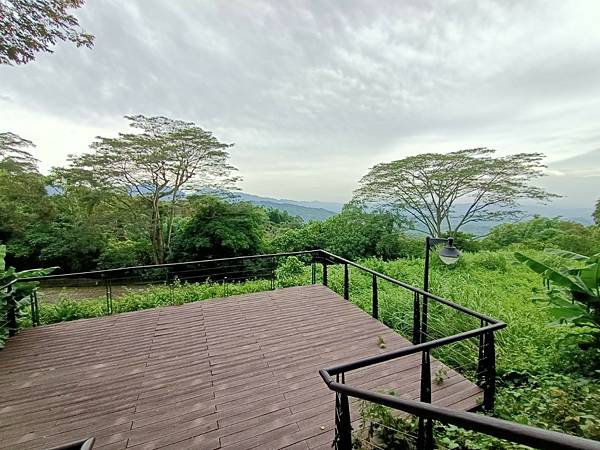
542,232
125,253
489,260
289,271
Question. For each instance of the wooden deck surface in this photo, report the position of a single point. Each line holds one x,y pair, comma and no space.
238,372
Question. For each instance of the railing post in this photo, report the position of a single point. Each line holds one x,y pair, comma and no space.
31,304
36,317
425,433
273,273
375,307
424,318
481,368
346,283
108,286
170,285
324,273
489,390
343,427
313,272
11,313
416,318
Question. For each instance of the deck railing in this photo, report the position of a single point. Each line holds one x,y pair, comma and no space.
469,347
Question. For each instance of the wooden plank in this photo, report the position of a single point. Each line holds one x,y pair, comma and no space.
236,372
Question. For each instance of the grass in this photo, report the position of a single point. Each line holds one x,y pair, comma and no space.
487,282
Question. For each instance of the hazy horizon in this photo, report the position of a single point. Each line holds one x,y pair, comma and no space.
314,94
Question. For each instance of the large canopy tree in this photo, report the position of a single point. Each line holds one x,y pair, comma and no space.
218,229
30,26
166,159
444,192
23,197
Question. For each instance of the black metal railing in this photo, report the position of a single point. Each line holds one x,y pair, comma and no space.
502,429
468,344
427,339
421,308
111,284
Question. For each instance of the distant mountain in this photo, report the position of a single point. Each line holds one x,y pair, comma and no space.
334,207
581,215
317,210
307,213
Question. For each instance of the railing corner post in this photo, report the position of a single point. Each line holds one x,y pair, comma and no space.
489,392
425,432
324,272
343,425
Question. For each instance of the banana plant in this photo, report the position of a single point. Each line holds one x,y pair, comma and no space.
572,294
15,291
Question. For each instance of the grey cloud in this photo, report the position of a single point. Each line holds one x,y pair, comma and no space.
331,87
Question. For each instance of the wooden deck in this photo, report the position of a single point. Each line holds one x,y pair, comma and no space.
238,372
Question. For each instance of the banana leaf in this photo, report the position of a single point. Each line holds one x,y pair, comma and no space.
566,254
590,274
561,279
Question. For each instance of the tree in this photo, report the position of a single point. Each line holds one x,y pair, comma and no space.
23,196
353,233
167,159
13,147
218,229
597,213
447,191
30,26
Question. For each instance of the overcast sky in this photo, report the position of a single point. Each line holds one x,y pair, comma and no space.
315,93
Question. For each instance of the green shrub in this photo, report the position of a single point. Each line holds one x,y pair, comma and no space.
489,260
125,253
289,271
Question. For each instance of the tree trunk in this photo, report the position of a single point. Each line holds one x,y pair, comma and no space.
156,234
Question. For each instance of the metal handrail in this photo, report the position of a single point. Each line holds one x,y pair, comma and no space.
425,346
169,265
503,429
411,288
265,256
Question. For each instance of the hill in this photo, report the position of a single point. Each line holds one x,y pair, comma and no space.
294,208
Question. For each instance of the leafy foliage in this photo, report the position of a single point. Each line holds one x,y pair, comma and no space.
31,26
125,253
573,293
217,229
289,271
155,166
543,232
23,198
354,233
15,296
428,187
558,402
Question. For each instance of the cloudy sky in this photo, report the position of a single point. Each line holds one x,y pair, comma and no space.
314,93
